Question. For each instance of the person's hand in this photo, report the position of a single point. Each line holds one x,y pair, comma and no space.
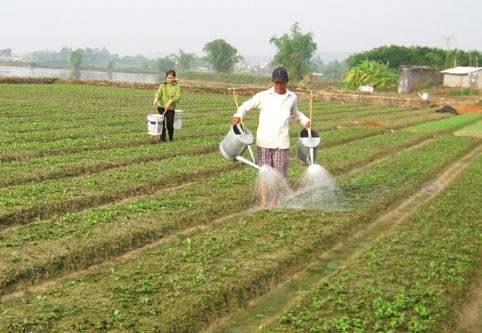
308,125
235,120
168,104
155,102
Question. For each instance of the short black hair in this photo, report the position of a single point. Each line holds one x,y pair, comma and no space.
171,72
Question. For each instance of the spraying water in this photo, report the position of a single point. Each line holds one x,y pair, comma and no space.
275,186
316,190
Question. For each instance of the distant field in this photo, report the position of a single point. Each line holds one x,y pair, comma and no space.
102,228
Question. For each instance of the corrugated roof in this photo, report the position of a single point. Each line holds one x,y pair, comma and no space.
462,70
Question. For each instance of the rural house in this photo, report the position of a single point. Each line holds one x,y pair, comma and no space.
464,77
411,77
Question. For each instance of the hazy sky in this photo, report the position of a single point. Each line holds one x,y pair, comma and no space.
152,28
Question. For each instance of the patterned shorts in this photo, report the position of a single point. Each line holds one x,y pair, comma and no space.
277,158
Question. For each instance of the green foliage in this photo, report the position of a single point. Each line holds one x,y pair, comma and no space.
110,65
466,92
334,70
373,73
295,51
415,55
75,58
221,55
162,65
185,61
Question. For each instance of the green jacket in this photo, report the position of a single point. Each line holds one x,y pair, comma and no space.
166,92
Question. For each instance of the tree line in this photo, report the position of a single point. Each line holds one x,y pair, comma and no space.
395,56
295,51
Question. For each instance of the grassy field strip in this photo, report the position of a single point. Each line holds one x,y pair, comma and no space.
360,153
204,275
386,112
473,130
37,124
448,124
94,161
414,279
19,130
49,248
113,127
342,159
31,170
23,203
23,150
72,133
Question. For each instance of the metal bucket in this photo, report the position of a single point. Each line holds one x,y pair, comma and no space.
155,124
178,115
307,146
235,142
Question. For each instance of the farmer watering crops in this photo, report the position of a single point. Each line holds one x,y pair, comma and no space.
277,105
165,100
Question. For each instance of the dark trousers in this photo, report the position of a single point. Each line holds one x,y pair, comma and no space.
169,122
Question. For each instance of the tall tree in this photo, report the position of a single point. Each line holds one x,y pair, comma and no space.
164,64
221,55
185,61
75,58
294,52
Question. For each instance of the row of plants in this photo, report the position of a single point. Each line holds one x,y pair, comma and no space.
30,238
412,280
474,129
449,124
185,283
22,203
44,143
11,211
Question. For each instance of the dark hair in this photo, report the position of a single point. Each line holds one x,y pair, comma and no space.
171,72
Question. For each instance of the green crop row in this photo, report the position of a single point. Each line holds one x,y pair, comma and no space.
412,279
339,159
448,124
183,284
22,203
93,161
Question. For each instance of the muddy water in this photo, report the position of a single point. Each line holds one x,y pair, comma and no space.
275,303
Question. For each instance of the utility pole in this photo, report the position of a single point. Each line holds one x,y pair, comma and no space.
447,41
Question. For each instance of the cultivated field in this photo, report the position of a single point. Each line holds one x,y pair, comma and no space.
104,228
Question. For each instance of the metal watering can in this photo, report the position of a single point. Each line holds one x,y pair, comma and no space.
308,142
235,143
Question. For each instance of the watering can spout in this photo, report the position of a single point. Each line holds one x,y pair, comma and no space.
245,161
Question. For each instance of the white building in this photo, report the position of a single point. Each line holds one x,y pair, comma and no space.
464,77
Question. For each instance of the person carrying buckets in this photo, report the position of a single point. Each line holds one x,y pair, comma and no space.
278,105
165,100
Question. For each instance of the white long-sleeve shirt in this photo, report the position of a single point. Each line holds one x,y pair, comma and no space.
276,111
